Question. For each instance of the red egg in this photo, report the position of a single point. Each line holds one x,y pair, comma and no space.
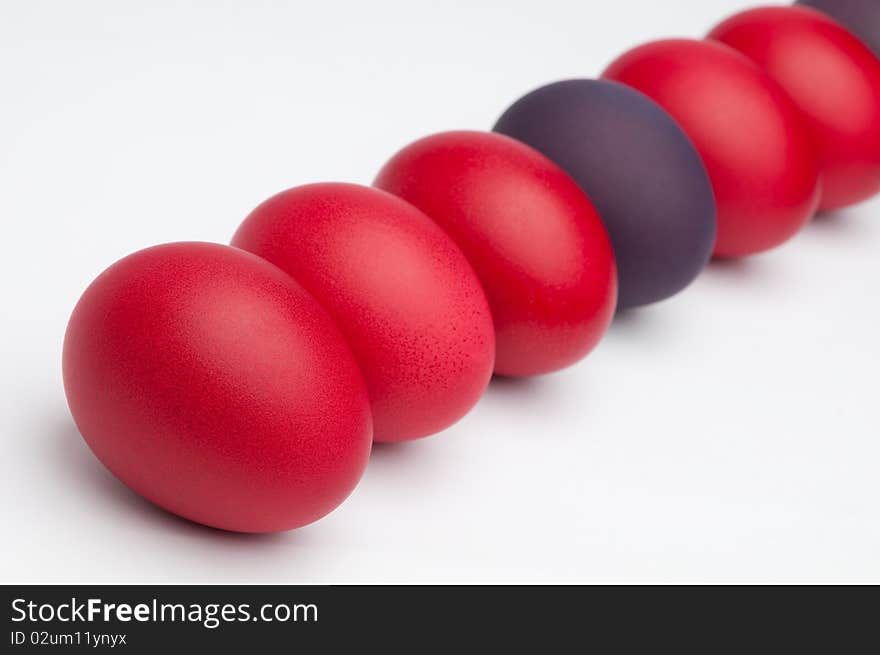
213,385
536,242
755,144
400,290
833,78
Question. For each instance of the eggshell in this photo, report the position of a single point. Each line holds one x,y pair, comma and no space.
535,240
408,302
213,385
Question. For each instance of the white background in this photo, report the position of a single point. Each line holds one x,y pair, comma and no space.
729,434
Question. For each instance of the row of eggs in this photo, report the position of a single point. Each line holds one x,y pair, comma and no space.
241,387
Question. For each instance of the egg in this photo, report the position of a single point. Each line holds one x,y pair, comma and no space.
215,386
639,169
862,17
403,294
832,78
535,240
756,146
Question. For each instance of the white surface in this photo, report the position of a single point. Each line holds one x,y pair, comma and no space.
730,434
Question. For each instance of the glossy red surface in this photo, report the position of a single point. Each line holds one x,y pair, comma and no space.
756,146
832,77
535,240
407,300
212,384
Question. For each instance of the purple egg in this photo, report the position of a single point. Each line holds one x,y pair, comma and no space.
861,17
640,170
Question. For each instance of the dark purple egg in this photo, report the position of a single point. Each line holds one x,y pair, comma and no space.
640,170
861,17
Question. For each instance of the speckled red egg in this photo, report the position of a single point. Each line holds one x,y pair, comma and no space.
407,300
213,385
534,238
